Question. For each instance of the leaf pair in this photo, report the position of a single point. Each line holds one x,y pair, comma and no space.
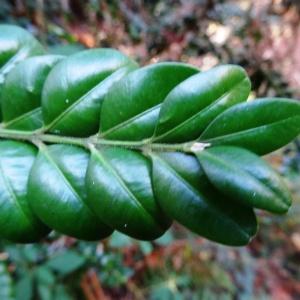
262,125
170,102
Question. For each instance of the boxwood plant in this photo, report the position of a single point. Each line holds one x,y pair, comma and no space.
92,143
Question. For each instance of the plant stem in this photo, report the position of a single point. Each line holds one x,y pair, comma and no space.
36,137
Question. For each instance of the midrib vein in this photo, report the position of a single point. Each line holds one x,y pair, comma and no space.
128,121
194,116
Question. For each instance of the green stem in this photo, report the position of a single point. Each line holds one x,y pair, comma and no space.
37,137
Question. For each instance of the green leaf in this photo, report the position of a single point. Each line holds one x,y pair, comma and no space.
44,292
6,284
24,288
120,193
60,293
16,44
185,195
44,276
57,192
17,220
21,95
130,109
75,88
66,263
66,49
119,240
262,125
194,103
245,177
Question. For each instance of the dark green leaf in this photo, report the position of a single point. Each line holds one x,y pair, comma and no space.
120,193
194,103
130,110
245,177
17,221
21,95
57,193
185,194
262,125
75,88
16,44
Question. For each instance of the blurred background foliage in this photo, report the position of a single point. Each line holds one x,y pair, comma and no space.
261,35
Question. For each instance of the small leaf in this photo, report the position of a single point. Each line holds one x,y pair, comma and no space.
245,177
119,240
120,193
57,193
66,262
44,276
262,125
6,284
60,293
185,194
21,95
24,288
44,292
195,102
17,220
75,88
130,109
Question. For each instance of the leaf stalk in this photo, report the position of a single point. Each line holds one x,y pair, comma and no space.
35,137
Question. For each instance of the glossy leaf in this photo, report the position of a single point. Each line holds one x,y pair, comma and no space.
185,195
245,177
17,220
75,88
16,44
195,102
262,125
137,98
120,193
57,192
21,96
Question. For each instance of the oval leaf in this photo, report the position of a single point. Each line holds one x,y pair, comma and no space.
16,44
245,177
130,110
262,125
120,193
18,222
74,90
21,96
57,192
185,194
194,103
